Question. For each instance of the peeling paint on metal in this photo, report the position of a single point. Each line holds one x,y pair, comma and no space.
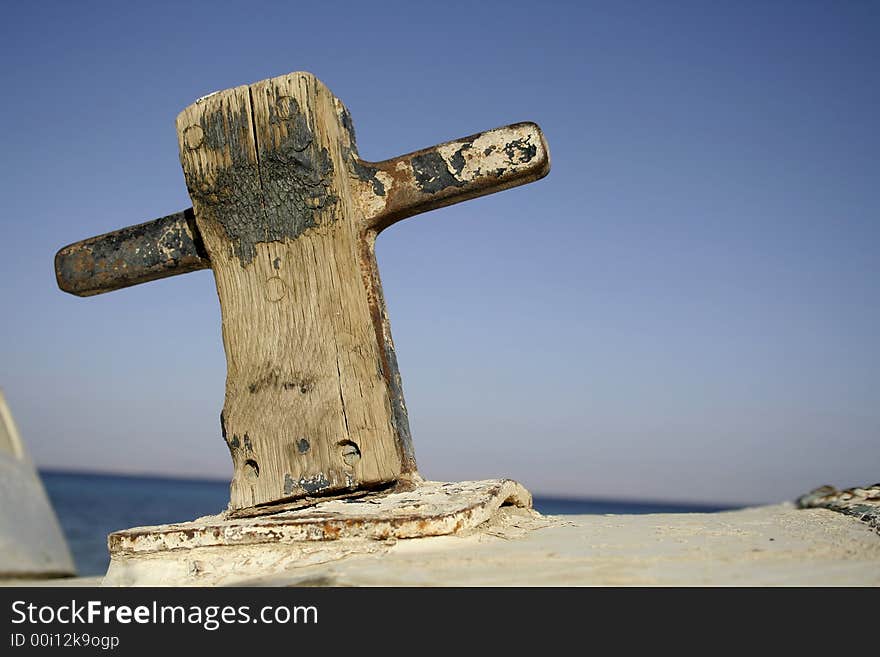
369,174
137,254
496,152
432,174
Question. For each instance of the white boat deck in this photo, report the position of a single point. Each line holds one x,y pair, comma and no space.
764,546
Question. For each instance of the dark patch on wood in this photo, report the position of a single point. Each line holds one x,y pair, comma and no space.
276,263
388,361
296,175
146,252
399,415
365,171
275,198
273,377
315,483
302,386
310,485
431,173
302,445
348,124
232,197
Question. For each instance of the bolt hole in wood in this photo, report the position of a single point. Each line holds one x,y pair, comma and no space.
351,453
193,137
251,470
275,289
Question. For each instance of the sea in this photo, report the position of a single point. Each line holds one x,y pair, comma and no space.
90,506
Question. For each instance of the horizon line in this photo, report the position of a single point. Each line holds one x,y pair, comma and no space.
560,498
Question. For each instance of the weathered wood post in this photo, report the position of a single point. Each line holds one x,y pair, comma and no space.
286,215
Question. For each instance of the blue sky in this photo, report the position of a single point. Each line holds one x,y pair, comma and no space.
685,308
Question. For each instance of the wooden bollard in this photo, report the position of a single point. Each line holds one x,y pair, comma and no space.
286,215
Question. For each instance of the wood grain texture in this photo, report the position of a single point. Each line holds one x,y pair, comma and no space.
308,404
288,214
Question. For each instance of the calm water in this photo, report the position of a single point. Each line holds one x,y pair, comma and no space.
90,506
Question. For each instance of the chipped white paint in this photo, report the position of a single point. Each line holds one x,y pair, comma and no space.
370,203
500,150
430,509
168,243
449,173
206,96
224,549
31,542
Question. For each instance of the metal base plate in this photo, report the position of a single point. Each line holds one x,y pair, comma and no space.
229,548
